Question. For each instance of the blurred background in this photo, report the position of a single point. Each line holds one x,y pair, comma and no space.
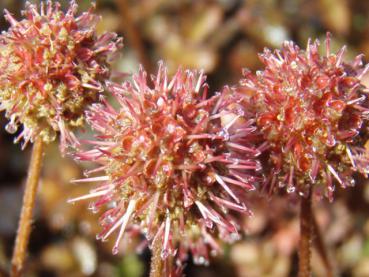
222,37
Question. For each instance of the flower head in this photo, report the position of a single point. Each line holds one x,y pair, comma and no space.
52,65
312,109
168,167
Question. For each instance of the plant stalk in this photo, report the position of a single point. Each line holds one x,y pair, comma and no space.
29,199
306,223
156,269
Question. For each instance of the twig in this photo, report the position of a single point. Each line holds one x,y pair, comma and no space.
25,221
306,222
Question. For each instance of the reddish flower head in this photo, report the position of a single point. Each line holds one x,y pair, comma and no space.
51,67
169,168
312,110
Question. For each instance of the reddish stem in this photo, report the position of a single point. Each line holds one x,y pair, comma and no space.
29,199
306,223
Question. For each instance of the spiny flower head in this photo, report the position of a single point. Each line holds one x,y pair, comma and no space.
312,110
169,167
52,65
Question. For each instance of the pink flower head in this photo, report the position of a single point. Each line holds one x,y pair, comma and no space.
168,167
312,110
52,65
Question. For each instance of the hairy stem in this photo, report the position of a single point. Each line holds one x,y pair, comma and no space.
29,197
306,222
156,260
321,248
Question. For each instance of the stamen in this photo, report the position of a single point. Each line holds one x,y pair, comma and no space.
88,196
92,179
349,154
226,188
243,148
335,174
123,221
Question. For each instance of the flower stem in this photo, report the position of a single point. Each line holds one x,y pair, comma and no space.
306,222
25,221
156,260
321,248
